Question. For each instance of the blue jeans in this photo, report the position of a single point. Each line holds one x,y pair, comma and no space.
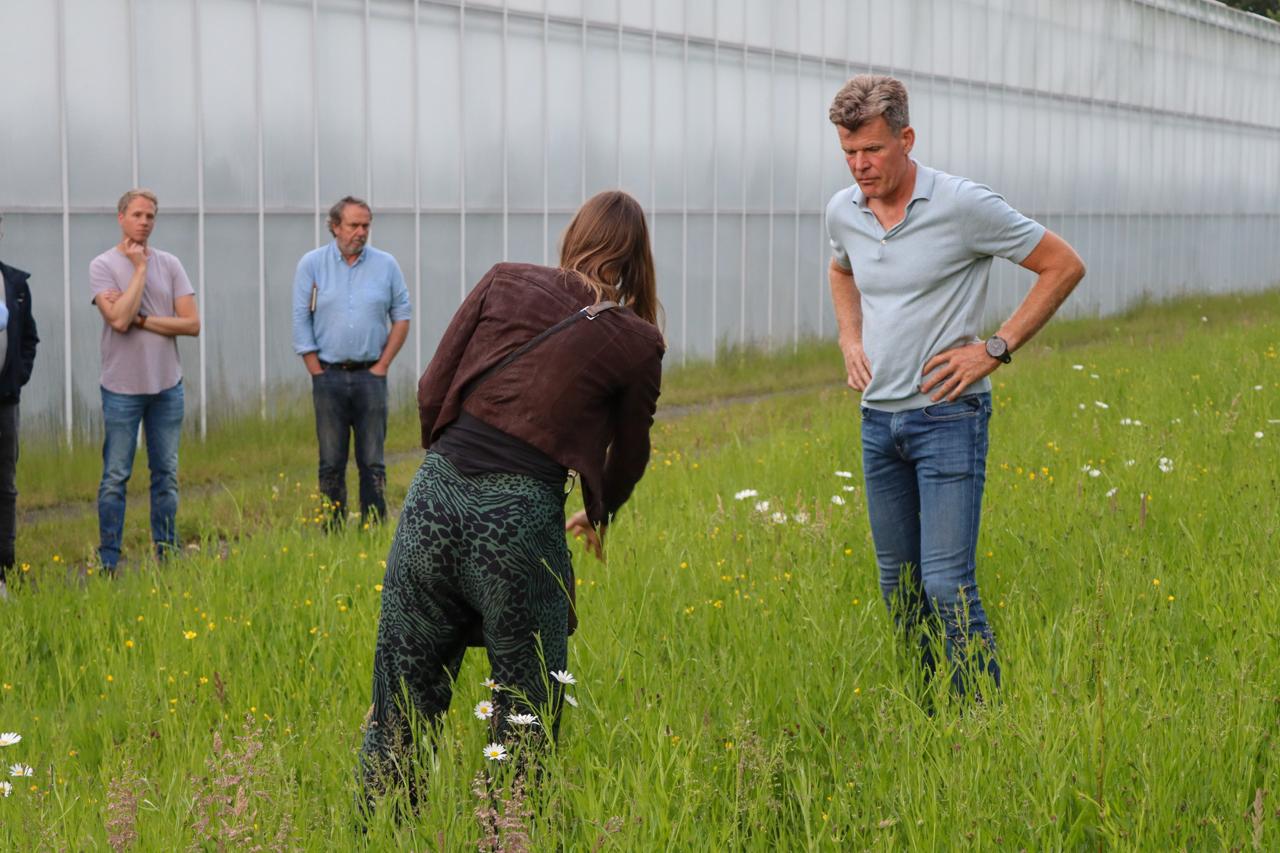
925,470
346,402
161,418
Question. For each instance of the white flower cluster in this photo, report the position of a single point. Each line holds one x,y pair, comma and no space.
18,770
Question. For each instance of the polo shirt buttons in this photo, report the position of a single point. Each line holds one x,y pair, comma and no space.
882,242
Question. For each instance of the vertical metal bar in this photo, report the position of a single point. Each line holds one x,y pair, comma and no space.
133,93
414,108
367,74
196,55
795,236
684,194
821,229
617,99
582,112
315,115
504,118
67,410
258,71
653,127
715,180
546,133
462,150
772,149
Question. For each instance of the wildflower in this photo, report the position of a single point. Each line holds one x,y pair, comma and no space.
837,500
1094,472
1081,407
495,752
563,676
1129,463
190,635
846,474
744,494
522,719
21,770
778,518
1111,493
6,789
571,700
762,506
1166,464
1100,404
484,710
1155,581
801,517
1077,367
1258,434
848,488
9,738
1257,387
491,684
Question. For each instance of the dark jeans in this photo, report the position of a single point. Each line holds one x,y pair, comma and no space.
350,401
8,484
161,418
925,470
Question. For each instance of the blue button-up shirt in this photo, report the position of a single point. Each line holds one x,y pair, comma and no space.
353,303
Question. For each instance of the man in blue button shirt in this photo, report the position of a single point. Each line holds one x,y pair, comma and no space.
350,318
912,254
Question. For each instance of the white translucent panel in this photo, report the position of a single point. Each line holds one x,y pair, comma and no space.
637,13
442,283
99,137
636,103
524,239
564,116
729,298
758,135
783,140
600,94
288,238
33,242
600,11
669,124
287,105
391,107
564,8
668,230
700,298
811,26
668,15
783,21
439,105
699,114
534,6
231,301
30,166
759,280
758,22
811,128
525,114
699,20
730,110
228,88
482,109
484,245
811,289
730,20
340,81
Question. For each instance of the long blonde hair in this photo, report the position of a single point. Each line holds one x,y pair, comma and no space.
607,245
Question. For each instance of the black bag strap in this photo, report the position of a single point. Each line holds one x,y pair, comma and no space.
590,312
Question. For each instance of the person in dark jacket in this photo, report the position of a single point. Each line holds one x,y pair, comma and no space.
480,550
18,341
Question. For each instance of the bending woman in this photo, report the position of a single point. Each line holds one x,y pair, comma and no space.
480,548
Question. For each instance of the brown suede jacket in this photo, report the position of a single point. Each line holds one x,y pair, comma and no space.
585,396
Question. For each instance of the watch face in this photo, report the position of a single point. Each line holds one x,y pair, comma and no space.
996,347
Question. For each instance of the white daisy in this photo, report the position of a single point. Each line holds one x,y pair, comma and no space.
762,506
571,700
848,475
1257,387
484,710
1165,464
1258,434
1100,404
495,752
837,500
1112,492
9,738
491,684
1077,367
1094,472
5,789
21,770
563,676
848,488
778,518
522,719
744,494
801,517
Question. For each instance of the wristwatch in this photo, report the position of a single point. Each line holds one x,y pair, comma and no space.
998,349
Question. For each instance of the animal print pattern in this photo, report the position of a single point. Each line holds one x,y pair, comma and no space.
473,556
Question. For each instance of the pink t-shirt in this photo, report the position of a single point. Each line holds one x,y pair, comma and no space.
140,361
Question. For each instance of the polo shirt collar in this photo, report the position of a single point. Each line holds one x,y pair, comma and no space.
923,189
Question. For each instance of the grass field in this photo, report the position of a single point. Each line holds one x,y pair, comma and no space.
738,683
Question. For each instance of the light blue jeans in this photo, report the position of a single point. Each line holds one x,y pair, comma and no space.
925,470
161,418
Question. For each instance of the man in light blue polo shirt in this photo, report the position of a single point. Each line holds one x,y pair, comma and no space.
912,253
350,318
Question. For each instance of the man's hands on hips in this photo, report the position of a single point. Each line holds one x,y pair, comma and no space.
856,366
949,373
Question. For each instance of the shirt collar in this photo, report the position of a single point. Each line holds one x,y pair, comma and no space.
923,188
337,253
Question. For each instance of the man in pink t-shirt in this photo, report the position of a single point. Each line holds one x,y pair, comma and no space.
146,301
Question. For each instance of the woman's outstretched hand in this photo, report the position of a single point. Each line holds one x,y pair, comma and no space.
580,527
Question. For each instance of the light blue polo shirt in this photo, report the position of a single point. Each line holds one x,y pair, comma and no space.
924,282
353,303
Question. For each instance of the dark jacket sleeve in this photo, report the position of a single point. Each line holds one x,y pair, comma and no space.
437,379
629,451
29,339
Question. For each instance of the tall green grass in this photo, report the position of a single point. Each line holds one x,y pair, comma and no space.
739,683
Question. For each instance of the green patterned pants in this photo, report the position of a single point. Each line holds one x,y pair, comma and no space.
473,556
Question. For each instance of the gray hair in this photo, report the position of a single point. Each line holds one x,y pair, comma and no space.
127,199
869,95
335,212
